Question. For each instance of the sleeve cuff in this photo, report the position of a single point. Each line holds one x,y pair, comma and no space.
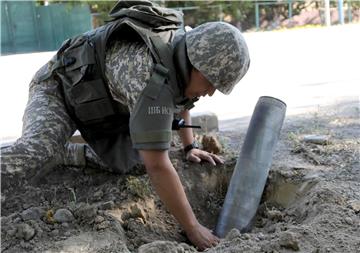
152,146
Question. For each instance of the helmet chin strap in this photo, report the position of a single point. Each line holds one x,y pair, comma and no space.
181,62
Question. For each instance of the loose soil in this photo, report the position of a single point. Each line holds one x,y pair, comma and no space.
311,202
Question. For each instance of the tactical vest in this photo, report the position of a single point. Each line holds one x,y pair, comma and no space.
80,68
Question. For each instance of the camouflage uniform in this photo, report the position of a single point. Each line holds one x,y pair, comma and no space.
133,70
216,49
47,125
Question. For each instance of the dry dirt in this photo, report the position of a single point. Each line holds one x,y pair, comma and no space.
311,202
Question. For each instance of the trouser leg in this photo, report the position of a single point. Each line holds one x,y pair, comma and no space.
46,128
82,155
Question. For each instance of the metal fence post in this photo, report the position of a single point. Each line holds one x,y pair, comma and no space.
10,26
349,11
257,18
327,13
36,26
341,11
290,9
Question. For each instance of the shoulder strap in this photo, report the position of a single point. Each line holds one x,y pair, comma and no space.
165,52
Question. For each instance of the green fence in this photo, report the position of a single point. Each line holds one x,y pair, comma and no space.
26,27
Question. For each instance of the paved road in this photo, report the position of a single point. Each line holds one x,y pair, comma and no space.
306,68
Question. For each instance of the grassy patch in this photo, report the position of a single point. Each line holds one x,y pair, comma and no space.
139,188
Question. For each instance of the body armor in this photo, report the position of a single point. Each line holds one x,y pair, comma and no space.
80,68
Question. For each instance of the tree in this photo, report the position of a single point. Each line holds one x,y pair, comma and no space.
238,13
99,9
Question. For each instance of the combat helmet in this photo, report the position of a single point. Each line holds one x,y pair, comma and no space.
219,51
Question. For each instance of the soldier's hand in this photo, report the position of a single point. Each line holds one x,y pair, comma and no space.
198,155
202,238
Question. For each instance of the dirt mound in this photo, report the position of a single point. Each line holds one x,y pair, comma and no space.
311,202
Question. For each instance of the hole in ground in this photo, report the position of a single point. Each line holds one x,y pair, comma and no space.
147,220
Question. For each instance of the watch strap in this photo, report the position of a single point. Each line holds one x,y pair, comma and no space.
191,146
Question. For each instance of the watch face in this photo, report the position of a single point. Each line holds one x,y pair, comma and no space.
195,144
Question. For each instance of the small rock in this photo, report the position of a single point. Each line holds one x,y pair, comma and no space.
5,220
65,225
140,220
86,211
67,233
233,233
99,219
26,205
211,144
317,139
25,245
349,221
106,205
102,225
137,212
17,220
12,231
114,190
355,205
24,231
165,246
125,216
289,240
98,195
246,236
39,232
261,236
55,232
275,215
63,215
47,228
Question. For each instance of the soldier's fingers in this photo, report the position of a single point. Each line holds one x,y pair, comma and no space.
206,156
194,158
218,159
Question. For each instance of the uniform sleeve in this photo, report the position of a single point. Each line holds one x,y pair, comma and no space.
151,119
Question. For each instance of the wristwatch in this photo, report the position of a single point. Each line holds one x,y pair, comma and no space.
191,146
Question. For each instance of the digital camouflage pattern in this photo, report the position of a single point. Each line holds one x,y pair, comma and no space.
47,125
219,52
128,66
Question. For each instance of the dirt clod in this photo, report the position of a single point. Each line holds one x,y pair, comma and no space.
106,205
317,139
355,205
210,143
63,215
24,231
33,213
275,215
289,240
85,211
